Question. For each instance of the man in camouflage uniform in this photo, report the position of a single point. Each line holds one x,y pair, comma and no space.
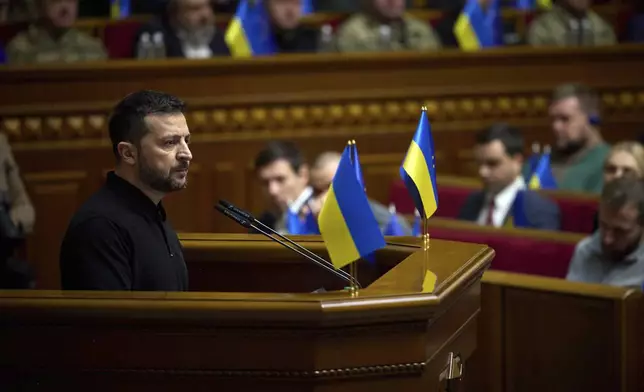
53,39
384,26
571,23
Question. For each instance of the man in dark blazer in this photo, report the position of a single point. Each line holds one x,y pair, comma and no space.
187,29
499,153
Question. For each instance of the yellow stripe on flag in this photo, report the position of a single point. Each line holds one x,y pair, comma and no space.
337,237
236,39
534,182
416,167
464,32
544,4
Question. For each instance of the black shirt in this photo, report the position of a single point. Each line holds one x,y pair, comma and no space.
120,240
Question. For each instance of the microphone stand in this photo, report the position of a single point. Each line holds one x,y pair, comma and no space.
245,219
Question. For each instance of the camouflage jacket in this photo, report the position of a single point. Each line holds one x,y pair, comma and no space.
36,45
559,28
12,189
361,33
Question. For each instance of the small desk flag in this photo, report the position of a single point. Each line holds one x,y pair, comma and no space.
347,224
418,170
249,32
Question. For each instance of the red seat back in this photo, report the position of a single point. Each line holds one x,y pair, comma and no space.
119,38
451,196
517,250
577,210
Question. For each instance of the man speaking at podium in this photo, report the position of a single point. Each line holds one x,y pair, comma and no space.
120,239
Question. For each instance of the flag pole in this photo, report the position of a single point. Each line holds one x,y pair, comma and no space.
353,267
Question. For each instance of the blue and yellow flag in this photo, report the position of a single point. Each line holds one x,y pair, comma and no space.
393,228
528,5
347,224
355,161
476,28
418,170
542,177
119,9
249,32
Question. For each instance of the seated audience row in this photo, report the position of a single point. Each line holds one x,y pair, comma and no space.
187,29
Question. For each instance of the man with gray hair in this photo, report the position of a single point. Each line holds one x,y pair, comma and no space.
322,173
186,30
614,255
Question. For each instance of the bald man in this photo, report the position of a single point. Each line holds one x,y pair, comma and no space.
321,176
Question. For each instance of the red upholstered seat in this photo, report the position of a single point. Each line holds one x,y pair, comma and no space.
577,210
451,197
119,38
517,250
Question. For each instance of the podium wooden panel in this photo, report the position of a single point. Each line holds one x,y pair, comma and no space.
254,324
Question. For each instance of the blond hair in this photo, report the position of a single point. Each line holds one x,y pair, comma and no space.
635,149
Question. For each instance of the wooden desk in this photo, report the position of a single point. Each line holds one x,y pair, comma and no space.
538,334
395,335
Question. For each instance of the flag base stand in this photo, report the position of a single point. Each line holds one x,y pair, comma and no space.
425,246
353,271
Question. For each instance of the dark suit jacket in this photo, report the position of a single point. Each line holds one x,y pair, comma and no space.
541,212
172,42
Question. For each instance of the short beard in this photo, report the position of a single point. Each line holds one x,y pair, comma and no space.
158,181
199,36
571,148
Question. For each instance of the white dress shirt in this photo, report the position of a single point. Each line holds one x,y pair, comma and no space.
196,51
502,203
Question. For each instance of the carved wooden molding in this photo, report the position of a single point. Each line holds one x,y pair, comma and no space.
412,368
352,118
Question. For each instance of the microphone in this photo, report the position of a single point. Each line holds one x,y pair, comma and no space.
248,221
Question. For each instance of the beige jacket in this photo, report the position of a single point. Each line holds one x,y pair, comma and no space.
12,189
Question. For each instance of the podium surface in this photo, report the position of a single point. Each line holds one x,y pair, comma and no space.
254,324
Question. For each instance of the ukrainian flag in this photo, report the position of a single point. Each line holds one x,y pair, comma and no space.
347,224
418,170
542,178
249,33
355,160
119,9
474,29
528,5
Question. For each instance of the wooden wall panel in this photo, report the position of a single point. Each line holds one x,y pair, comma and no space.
56,116
56,195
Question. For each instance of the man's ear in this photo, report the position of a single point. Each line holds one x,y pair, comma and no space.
127,152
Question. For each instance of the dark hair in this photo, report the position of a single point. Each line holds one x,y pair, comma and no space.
276,150
127,122
587,97
508,135
623,191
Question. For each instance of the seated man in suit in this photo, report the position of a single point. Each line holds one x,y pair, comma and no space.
499,153
614,255
284,178
186,30
322,174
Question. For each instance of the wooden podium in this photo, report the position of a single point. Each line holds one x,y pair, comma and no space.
254,324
